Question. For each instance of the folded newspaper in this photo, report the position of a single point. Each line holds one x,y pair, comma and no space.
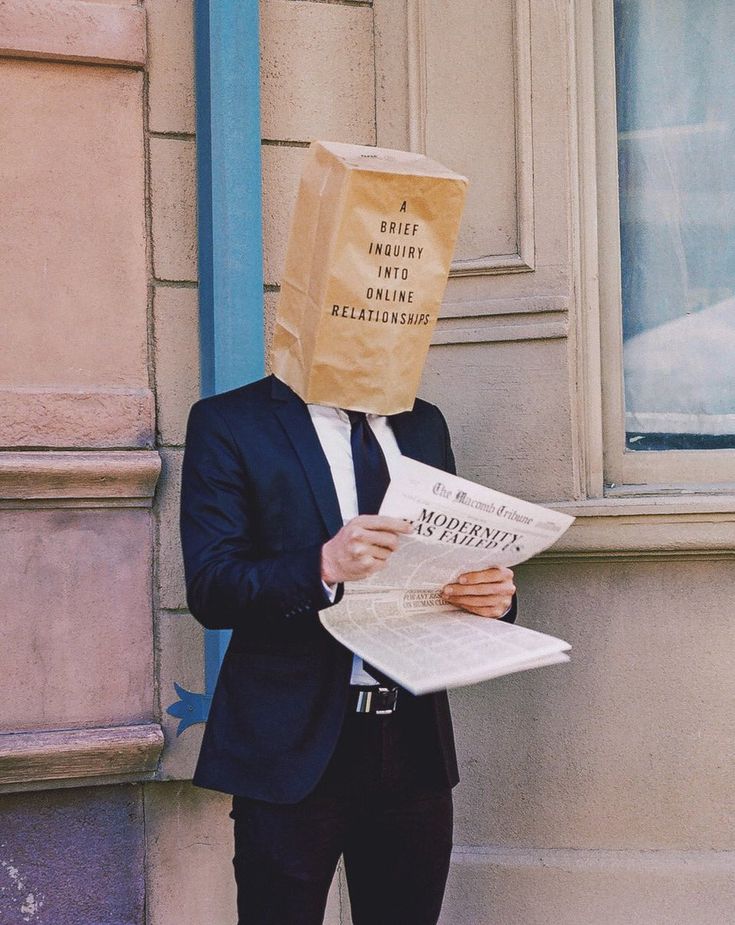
398,620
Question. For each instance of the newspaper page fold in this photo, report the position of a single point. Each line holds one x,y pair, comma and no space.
397,619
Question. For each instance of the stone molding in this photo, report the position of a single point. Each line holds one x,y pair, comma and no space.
420,103
653,527
109,753
115,477
87,417
71,30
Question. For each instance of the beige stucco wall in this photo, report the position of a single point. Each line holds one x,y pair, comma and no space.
596,792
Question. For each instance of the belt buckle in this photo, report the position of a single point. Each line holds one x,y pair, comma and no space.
391,696
381,701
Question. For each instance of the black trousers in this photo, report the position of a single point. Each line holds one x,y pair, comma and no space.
381,805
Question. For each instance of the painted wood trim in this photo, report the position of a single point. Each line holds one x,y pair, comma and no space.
587,422
607,261
27,476
85,418
524,259
80,754
71,30
716,467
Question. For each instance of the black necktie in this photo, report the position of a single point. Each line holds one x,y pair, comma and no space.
371,470
371,480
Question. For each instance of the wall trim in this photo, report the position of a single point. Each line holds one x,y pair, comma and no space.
523,305
677,527
70,30
28,760
584,245
524,259
495,329
118,477
672,861
83,417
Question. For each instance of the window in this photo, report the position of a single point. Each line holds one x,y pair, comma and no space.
675,86
665,126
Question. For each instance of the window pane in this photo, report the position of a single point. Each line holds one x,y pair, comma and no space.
676,154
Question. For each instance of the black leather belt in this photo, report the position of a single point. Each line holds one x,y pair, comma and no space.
374,699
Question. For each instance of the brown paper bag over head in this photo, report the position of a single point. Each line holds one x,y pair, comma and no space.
368,258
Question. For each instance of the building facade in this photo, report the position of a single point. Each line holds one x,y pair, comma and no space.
583,359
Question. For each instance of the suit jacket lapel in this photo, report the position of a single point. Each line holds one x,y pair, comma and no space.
410,439
296,421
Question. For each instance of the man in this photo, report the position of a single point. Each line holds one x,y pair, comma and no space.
323,756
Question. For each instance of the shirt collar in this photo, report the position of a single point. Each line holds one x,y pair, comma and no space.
327,411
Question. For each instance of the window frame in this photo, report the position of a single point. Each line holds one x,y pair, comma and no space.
619,472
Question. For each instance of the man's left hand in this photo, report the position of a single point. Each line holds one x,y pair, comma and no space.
487,593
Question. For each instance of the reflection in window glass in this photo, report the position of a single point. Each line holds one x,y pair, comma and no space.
676,156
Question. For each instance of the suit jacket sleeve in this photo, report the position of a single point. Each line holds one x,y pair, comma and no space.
228,584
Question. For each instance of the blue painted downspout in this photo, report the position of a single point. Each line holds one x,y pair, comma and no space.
230,238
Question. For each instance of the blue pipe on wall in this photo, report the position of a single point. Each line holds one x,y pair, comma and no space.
227,49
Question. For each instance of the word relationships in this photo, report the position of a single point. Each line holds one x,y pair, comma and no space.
393,284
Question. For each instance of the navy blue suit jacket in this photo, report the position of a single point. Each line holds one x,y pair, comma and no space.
257,504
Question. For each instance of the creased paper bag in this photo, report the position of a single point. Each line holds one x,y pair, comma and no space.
368,258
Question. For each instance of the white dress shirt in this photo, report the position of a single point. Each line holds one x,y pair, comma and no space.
334,430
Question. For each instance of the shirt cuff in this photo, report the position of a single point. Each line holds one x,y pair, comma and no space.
330,591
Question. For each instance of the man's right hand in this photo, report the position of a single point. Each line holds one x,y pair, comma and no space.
361,547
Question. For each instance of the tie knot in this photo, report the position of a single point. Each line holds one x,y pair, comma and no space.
356,417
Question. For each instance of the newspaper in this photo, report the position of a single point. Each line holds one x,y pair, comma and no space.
397,619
